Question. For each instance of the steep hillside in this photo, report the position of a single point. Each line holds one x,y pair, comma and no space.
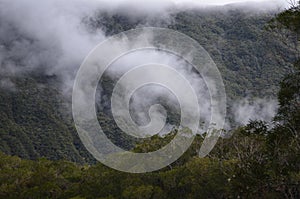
35,115
252,59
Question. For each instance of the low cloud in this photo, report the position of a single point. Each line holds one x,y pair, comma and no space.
51,36
254,109
150,95
45,35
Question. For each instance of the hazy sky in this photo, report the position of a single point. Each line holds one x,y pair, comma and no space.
201,2
156,6
222,2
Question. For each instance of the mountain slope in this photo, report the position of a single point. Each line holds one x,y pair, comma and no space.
35,117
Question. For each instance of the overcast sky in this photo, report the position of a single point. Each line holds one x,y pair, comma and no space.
200,2
154,6
223,2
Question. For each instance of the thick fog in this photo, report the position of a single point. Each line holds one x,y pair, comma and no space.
51,36
45,35
51,33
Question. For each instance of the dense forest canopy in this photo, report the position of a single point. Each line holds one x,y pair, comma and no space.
35,105
258,55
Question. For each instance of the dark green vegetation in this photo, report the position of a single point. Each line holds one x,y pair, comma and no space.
252,59
256,162
253,163
35,117
32,123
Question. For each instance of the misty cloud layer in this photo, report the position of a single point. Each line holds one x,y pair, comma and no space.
45,35
153,94
256,109
50,36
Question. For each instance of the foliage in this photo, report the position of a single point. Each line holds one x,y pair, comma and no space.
257,161
35,118
246,165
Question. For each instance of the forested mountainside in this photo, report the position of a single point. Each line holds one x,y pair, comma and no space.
251,58
253,163
35,116
258,57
